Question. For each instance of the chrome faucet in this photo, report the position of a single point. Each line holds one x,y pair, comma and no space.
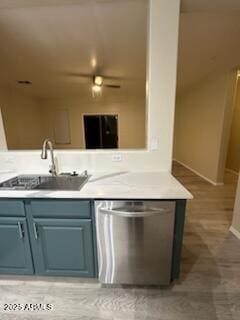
47,144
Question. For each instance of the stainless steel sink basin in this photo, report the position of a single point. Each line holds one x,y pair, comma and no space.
62,183
32,182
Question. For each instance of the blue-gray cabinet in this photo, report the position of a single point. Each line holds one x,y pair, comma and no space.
15,252
62,237
12,208
60,208
63,247
47,237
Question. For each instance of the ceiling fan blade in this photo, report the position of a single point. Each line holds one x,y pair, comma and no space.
113,86
79,75
91,75
105,76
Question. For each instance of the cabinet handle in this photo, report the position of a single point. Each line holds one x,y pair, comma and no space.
35,231
21,230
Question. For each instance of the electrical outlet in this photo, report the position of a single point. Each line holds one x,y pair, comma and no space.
117,158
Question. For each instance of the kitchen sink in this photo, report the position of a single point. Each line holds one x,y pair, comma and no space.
44,182
62,183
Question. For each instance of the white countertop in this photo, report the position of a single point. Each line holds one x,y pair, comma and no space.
119,185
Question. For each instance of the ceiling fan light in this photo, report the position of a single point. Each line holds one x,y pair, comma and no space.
98,80
96,88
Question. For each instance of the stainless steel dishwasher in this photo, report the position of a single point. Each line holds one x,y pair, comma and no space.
135,241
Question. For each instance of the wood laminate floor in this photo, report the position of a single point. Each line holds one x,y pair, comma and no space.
209,286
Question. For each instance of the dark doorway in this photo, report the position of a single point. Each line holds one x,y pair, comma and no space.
101,131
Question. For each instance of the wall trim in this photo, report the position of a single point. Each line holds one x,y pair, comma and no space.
232,171
199,174
235,232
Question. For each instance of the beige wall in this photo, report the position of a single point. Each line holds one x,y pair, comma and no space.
29,121
22,120
202,125
131,120
233,158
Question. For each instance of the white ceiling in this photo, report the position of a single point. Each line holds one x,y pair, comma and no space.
209,39
52,42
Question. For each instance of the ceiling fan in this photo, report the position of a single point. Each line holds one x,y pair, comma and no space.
98,83
97,78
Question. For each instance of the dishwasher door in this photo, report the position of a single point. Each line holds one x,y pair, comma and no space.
135,241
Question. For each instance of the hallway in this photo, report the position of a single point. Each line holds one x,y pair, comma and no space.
211,255
212,207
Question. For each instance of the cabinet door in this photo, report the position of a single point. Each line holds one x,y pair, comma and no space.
15,253
63,247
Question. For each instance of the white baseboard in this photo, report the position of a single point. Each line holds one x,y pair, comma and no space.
235,232
232,171
199,174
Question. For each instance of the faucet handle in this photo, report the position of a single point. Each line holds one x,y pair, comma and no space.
52,170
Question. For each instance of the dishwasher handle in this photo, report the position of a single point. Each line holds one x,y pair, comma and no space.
135,214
